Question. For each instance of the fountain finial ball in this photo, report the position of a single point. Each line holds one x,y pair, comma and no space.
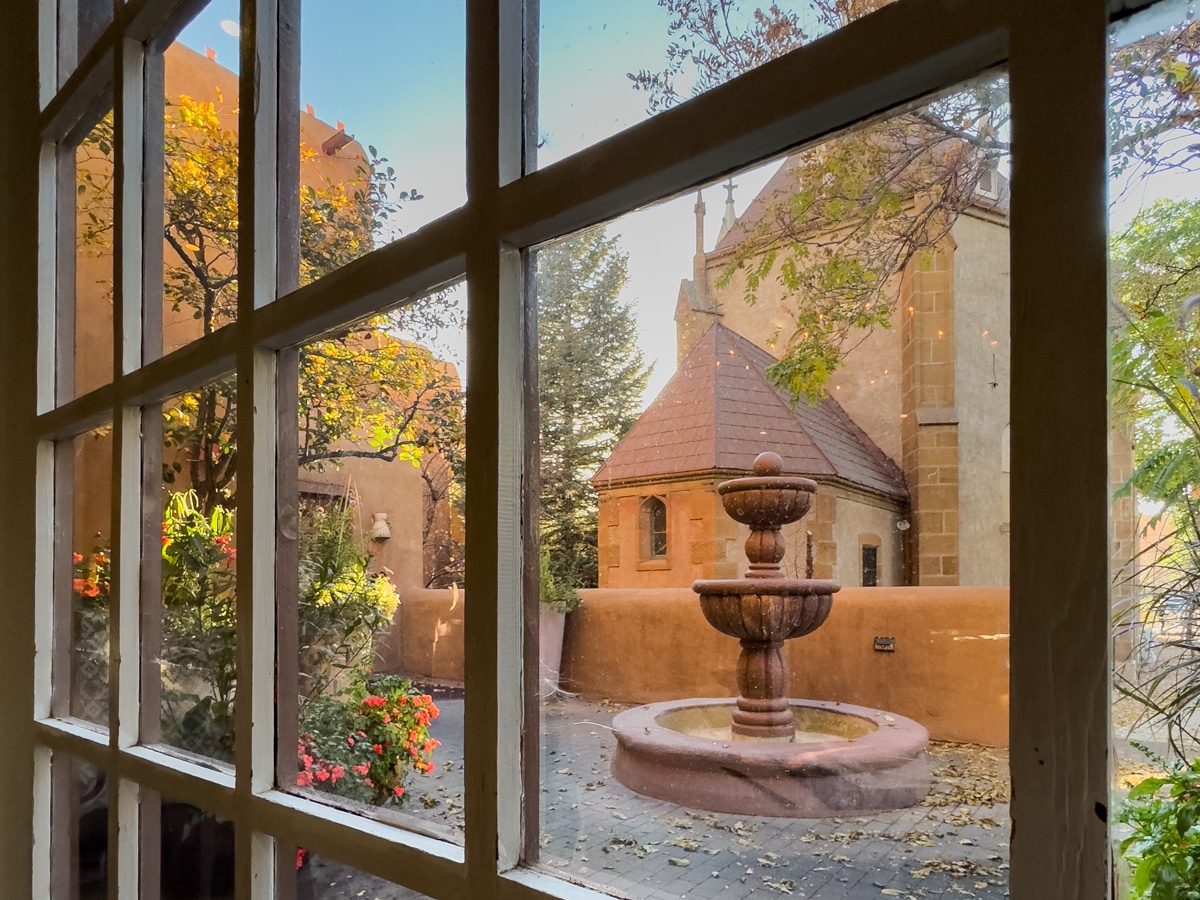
768,464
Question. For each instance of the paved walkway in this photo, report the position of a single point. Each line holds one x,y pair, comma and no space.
599,833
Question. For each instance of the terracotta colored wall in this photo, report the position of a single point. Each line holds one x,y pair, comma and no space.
949,670
426,640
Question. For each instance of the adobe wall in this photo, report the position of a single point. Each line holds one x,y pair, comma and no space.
703,542
949,670
426,639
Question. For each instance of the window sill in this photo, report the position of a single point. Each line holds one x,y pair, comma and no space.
653,565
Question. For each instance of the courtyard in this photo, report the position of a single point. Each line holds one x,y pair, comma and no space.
598,833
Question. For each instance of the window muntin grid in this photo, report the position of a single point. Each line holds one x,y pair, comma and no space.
538,211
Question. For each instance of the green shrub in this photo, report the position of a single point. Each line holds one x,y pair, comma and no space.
1164,849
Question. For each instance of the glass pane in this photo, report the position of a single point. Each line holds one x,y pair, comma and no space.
193,849
377,601
79,817
1154,212
365,177
80,24
84,486
199,174
605,67
320,878
198,564
862,339
86,296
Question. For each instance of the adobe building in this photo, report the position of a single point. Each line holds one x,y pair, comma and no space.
661,522
926,399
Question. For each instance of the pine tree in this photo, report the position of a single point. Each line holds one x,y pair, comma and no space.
591,379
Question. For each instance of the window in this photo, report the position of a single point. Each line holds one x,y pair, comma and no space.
653,526
1055,51
870,566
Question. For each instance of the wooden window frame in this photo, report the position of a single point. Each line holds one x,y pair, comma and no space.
1054,50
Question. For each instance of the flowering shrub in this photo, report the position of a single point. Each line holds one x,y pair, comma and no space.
366,745
341,604
92,577
199,625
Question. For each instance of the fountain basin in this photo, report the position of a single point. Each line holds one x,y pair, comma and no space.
846,760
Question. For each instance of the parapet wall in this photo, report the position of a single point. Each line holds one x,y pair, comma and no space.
948,669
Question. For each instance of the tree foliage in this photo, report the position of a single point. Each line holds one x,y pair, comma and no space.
591,376
363,390
1156,337
868,203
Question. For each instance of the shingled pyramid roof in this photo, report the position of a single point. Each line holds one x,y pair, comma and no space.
719,411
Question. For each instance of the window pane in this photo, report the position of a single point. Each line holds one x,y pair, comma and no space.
198,564
321,878
198,168
831,318
84,488
377,600
605,67
1154,210
79,817
381,135
191,849
80,24
85,357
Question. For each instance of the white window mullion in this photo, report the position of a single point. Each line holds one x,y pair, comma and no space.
254,715
125,602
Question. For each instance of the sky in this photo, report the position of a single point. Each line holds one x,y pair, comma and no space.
413,113
393,72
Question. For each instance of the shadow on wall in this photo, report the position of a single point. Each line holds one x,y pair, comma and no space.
938,655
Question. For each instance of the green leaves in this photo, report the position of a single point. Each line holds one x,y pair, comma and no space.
1165,846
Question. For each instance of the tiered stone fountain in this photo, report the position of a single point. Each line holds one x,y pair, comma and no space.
765,754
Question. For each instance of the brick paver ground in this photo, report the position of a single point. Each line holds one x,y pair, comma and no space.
599,833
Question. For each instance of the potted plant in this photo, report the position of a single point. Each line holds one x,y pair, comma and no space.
556,600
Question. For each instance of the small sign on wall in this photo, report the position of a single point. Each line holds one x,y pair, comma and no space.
885,645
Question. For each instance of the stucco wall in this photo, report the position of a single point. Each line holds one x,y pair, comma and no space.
426,639
857,517
949,670
981,309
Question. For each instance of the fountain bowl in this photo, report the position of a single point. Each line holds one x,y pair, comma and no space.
765,609
758,501
845,760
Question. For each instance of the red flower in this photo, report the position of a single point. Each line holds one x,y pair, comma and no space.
77,557
398,791
299,857
378,748
304,779
350,741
